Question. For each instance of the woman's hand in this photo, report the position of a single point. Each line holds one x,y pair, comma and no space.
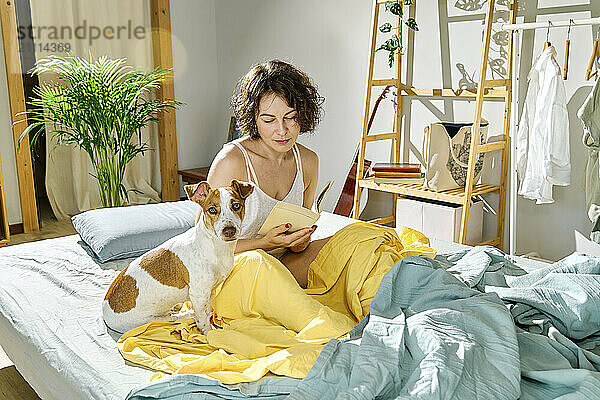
277,237
302,243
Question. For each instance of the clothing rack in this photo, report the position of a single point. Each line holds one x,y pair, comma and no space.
549,24
515,29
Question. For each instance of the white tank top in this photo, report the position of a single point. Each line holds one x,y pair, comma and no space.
259,204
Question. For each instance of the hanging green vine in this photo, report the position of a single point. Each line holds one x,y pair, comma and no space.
394,44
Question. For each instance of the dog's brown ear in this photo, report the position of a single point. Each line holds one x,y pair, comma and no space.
243,189
198,192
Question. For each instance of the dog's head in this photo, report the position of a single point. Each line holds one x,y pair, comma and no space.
223,209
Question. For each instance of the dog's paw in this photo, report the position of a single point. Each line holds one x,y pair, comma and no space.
203,325
176,308
180,315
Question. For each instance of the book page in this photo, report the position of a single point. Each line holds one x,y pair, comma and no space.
286,213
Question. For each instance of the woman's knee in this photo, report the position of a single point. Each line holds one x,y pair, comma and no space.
299,263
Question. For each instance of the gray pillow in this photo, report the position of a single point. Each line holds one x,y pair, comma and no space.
123,232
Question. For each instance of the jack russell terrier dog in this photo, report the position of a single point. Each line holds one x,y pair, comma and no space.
185,267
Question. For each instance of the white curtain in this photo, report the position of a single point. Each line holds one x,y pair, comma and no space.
71,189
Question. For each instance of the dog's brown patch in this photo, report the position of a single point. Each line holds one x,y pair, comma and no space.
164,266
239,192
212,200
122,293
243,189
236,199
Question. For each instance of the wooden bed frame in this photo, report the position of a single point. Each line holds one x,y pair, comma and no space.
167,131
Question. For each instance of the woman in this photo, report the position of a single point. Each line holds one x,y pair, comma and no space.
274,103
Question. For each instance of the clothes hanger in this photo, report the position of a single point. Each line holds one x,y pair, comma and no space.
588,74
548,44
567,48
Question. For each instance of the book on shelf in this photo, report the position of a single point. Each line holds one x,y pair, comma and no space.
399,181
397,174
396,167
297,216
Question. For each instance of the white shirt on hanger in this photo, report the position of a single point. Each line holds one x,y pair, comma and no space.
589,113
542,142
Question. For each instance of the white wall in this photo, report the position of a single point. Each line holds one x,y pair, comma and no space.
195,67
326,39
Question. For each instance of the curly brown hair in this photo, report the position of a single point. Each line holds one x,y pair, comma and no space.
283,79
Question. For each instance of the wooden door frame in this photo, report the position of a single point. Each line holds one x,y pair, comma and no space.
162,50
16,94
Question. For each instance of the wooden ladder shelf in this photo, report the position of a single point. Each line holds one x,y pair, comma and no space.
486,89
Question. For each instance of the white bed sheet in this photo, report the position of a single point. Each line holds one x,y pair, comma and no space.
50,316
51,326
329,223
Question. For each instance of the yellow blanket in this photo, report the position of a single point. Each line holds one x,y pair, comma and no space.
267,322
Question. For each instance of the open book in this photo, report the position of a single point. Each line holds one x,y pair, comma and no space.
297,216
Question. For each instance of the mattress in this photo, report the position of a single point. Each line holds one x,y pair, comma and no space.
51,325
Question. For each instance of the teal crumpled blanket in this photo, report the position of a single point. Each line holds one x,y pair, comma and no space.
470,325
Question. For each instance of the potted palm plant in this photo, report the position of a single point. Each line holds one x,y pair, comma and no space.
98,106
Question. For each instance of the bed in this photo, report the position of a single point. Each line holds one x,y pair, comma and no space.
51,325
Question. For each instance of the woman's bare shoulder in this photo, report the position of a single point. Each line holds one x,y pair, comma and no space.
229,154
309,157
228,164
310,165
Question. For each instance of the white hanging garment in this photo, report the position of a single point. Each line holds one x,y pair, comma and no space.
589,113
543,156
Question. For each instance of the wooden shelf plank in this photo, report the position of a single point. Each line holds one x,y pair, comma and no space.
384,82
464,93
482,188
455,196
496,83
485,148
381,136
384,220
443,92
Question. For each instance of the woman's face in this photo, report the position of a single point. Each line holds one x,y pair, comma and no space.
277,123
